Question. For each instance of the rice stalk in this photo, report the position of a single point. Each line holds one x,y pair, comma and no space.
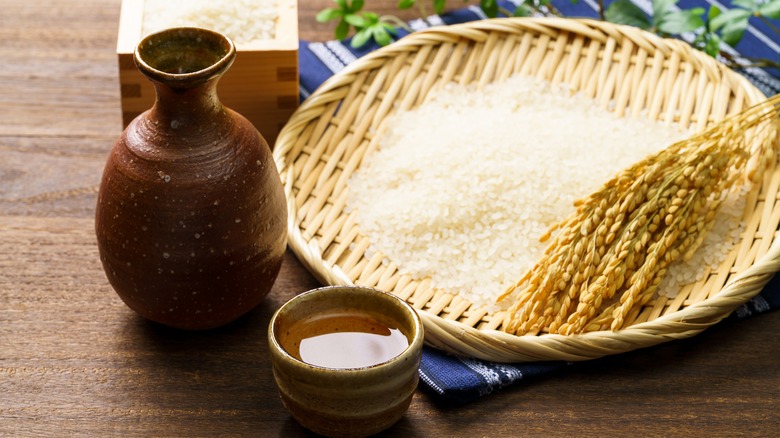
609,256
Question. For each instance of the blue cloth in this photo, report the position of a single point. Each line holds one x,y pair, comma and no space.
460,380
319,60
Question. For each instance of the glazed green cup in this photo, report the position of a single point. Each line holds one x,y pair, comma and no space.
346,402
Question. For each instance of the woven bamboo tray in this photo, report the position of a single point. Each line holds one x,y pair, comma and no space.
625,69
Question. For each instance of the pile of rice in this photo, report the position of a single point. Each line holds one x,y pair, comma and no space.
462,187
243,21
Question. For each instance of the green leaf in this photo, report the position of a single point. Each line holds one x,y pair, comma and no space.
733,32
661,8
712,13
438,6
490,7
361,38
357,6
625,12
356,20
712,46
708,42
342,30
750,5
371,17
678,22
730,16
381,36
342,4
523,10
406,4
770,9
328,14
732,25
390,28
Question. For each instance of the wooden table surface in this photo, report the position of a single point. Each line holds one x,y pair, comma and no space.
75,361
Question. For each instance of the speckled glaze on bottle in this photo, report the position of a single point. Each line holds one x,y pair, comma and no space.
191,214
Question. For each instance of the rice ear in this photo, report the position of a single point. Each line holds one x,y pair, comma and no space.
670,207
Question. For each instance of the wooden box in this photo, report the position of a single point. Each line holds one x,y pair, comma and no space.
262,84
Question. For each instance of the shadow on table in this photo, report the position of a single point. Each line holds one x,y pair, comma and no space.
215,382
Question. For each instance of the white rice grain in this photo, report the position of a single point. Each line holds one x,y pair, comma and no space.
243,21
462,187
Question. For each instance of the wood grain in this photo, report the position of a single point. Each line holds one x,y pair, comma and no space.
75,361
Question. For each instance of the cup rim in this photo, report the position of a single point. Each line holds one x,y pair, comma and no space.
414,344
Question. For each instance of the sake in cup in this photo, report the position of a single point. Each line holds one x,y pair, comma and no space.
346,358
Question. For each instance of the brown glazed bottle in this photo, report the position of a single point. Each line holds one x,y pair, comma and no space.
191,216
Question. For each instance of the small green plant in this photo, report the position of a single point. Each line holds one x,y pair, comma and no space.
733,22
369,25
489,6
665,21
710,27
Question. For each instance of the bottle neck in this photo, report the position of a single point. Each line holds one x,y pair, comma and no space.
187,107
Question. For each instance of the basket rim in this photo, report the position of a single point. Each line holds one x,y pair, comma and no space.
496,345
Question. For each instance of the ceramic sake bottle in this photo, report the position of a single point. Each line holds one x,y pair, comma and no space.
191,214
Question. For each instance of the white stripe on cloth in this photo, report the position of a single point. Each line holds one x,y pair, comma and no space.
425,378
491,374
757,305
761,304
478,12
435,20
430,21
418,24
341,51
592,4
327,57
304,92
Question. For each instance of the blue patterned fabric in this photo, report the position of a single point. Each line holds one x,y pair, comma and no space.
457,380
319,60
460,380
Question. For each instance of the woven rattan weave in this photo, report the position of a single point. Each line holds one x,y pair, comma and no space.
629,71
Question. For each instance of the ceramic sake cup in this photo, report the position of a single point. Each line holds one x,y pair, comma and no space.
346,402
